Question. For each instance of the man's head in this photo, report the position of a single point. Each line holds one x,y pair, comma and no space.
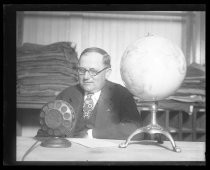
97,62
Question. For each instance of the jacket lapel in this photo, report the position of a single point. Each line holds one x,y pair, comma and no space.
104,107
78,103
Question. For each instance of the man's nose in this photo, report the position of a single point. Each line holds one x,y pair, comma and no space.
87,75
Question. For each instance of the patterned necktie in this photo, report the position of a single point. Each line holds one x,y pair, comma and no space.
88,106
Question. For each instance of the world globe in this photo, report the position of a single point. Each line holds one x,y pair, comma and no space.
152,68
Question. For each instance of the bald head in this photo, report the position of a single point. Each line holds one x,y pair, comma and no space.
106,57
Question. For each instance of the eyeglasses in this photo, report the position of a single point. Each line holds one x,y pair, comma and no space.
91,71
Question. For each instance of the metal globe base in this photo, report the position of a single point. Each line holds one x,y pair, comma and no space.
152,128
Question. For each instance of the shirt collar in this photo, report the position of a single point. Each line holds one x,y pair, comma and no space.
95,96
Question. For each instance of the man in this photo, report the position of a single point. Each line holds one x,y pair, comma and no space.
114,114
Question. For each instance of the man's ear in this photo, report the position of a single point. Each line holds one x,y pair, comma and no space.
108,72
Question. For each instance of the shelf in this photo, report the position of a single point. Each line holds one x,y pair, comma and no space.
174,120
200,130
173,130
200,120
187,136
175,136
187,121
200,137
187,130
201,110
147,108
145,118
161,118
30,105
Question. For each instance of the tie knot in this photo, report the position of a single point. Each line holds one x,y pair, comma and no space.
89,95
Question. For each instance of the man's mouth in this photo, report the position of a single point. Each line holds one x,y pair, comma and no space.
87,82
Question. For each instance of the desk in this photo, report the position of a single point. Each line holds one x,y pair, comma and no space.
136,151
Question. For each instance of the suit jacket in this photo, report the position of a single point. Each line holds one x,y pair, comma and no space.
116,114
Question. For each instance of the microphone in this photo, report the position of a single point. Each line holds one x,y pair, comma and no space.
57,119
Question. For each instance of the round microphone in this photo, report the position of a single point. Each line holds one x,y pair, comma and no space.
57,118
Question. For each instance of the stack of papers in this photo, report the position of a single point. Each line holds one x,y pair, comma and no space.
93,143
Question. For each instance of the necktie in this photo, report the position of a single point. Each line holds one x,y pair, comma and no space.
88,106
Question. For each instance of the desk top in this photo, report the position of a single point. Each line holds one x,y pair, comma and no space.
135,151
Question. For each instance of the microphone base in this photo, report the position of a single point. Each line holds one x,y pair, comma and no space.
56,142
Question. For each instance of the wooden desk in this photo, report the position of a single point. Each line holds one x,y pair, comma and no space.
136,151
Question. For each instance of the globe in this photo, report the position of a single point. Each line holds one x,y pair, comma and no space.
152,68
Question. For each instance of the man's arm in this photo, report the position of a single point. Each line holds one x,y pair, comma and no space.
128,109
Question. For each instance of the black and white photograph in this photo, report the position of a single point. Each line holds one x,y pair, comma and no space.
109,86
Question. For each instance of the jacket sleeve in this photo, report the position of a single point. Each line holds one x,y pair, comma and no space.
128,110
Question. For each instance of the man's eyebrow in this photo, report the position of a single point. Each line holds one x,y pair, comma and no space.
88,69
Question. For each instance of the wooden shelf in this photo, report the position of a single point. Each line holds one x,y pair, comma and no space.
30,105
200,130
181,125
173,130
186,130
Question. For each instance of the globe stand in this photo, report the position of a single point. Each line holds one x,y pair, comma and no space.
152,128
